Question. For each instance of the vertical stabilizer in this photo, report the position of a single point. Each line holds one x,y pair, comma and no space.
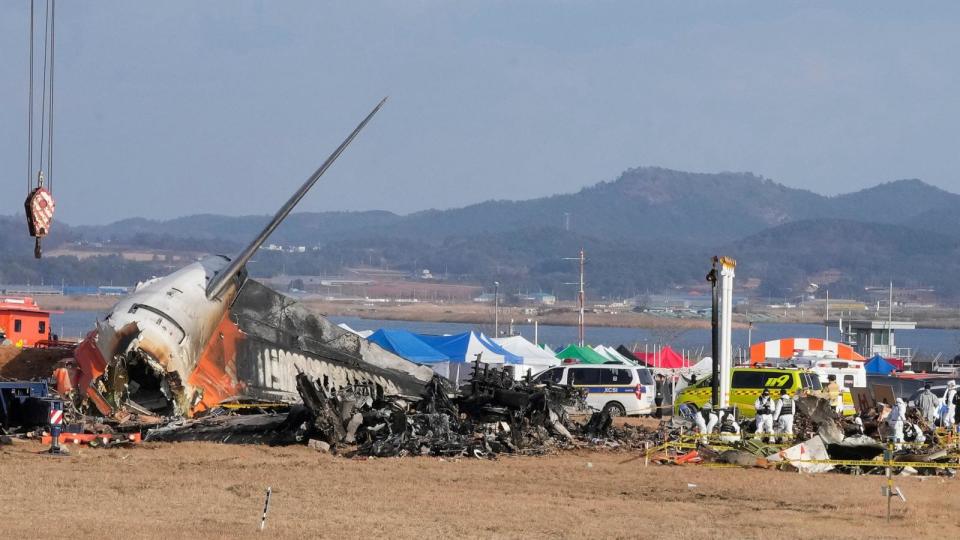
218,283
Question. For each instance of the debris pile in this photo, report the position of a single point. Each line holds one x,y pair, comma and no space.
825,441
493,414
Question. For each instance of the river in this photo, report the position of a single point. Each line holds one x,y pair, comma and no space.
924,342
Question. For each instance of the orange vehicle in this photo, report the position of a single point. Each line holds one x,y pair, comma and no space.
22,321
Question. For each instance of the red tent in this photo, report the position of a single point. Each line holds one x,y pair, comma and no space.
666,358
897,363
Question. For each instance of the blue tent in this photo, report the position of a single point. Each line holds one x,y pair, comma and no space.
878,366
464,348
408,345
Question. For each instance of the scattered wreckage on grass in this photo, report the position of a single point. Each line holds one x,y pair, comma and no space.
822,442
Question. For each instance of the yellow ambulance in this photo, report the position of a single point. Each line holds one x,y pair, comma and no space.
747,383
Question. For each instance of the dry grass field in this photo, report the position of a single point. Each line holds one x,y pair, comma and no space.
202,490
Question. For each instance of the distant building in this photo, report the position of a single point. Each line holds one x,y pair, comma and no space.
872,337
110,290
540,298
15,289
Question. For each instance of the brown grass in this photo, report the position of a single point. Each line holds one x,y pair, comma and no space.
201,490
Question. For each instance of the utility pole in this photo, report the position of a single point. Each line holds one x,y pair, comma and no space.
890,350
826,318
580,296
496,309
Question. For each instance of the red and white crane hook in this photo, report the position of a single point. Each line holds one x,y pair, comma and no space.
40,205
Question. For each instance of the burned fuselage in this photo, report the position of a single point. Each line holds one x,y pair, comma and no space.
168,350
143,354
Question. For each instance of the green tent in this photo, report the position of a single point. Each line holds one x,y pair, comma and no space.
585,355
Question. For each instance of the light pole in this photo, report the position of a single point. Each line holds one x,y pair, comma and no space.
580,297
496,309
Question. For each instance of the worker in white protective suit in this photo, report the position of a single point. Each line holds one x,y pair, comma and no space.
947,406
764,406
706,420
913,434
783,416
729,429
928,404
858,423
898,416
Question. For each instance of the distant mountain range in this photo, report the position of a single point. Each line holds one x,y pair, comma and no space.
650,229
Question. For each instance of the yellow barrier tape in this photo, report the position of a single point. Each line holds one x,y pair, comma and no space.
236,406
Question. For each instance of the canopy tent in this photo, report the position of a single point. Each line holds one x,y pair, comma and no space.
465,347
533,357
878,365
407,345
613,355
361,333
627,353
547,348
665,358
585,355
789,347
703,368
462,350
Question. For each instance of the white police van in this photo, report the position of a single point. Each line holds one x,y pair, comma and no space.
619,389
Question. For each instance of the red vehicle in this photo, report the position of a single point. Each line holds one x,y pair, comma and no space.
23,322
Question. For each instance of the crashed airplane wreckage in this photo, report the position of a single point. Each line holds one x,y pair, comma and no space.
208,334
491,415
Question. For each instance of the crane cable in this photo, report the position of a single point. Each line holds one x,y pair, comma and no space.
40,205
30,108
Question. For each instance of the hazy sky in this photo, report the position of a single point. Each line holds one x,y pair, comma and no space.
173,108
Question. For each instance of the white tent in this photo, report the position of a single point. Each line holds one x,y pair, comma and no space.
462,350
535,359
613,355
362,333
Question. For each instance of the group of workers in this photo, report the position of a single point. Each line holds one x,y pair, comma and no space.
936,411
774,414
708,420
771,414
774,417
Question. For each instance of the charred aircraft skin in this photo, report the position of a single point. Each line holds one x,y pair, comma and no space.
206,334
143,353
283,338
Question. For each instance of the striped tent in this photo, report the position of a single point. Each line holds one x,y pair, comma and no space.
788,347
